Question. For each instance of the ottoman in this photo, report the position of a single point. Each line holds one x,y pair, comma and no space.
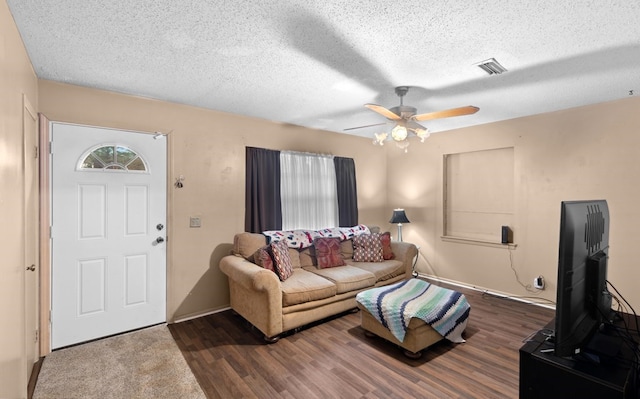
418,337
413,314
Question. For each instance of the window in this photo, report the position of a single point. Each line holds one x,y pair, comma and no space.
264,208
478,194
308,191
112,158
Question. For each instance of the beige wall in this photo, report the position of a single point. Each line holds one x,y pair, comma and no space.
16,78
582,153
208,149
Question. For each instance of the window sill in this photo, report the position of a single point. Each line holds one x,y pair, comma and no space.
483,243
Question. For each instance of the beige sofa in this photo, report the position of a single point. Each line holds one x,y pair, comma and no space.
310,294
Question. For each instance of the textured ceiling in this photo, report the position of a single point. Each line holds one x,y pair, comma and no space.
316,63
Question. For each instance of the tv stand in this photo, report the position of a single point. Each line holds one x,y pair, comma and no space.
544,375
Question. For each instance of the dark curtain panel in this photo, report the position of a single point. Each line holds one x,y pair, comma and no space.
347,192
263,210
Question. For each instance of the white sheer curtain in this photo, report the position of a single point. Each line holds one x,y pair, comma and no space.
308,191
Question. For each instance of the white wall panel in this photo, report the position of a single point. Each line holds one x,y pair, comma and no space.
137,210
92,217
136,279
91,286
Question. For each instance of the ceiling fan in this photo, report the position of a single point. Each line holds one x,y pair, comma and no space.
406,120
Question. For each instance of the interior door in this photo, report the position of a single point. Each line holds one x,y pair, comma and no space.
108,230
31,203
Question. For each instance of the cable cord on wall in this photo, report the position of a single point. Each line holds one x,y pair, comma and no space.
415,263
515,273
530,299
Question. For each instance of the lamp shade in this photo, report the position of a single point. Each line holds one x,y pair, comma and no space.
399,133
399,216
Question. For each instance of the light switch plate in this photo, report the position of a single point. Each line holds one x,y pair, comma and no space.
194,222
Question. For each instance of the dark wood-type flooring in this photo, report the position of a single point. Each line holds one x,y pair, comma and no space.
334,358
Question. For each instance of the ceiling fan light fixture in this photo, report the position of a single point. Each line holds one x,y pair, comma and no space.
399,133
403,145
380,138
422,134
406,120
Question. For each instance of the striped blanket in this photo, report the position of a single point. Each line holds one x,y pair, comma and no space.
446,311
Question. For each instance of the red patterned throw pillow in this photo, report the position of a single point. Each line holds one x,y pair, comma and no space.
385,240
282,260
264,258
327,252
367,248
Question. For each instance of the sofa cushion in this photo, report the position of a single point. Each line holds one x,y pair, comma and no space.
346,278
246,244
303,286
264,258
306,257
346,249
367,248
385,240
327,252
282,260
382,270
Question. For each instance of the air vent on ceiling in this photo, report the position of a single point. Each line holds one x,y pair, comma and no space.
491,66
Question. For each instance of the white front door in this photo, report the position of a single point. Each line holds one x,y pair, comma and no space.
108,229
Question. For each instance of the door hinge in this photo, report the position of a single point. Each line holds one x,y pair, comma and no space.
36,152
37,335
50,148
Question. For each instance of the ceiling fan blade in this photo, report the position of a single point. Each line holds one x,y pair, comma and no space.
468,110
362,127
383,111
413,125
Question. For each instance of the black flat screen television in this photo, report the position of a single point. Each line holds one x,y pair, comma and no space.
582,298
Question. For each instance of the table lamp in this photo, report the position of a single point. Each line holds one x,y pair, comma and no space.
399,217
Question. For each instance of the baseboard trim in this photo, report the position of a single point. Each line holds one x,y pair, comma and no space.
482,289
199,314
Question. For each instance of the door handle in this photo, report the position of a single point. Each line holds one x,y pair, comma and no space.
159,240
32,268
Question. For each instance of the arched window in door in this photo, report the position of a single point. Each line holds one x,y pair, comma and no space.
112,157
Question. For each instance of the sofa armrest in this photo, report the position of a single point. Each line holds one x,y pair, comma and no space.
254,293
248,274
405,252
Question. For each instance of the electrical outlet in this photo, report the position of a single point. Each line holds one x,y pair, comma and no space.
538,282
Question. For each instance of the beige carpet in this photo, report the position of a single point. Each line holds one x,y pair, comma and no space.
141,364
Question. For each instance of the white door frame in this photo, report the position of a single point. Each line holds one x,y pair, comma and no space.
30,218
45,225
45,236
